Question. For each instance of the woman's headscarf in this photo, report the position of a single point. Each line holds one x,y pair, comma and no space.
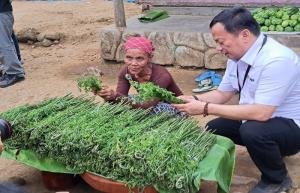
141,43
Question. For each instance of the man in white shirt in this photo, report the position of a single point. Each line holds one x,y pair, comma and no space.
267,75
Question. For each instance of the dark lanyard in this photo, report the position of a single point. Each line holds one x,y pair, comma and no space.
249,66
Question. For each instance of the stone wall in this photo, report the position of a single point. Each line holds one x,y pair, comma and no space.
184,49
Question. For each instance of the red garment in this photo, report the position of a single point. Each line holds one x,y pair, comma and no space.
160,76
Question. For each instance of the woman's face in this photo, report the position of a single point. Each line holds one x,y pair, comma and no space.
136,60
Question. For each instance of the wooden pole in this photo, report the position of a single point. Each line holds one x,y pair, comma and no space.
119,14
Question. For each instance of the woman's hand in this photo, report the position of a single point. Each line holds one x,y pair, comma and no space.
191,107
106,93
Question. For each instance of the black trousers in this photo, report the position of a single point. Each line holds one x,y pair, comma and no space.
267,142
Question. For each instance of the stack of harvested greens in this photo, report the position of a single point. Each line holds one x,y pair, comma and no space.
112,140
149,91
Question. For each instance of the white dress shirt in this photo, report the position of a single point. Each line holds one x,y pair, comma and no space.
273,79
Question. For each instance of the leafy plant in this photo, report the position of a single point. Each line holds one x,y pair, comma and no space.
113,140
89,83
149,91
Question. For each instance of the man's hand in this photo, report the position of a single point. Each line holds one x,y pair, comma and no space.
191,107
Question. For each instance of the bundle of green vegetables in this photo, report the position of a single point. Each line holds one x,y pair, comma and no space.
112,140
148,91
278,19
89,83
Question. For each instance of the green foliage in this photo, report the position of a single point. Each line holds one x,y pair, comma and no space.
112,140
89,83
149,91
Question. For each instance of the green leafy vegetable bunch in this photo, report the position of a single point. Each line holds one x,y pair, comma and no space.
113,140
89,83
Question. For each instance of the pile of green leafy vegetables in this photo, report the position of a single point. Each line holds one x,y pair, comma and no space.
278,19
112,140
148,91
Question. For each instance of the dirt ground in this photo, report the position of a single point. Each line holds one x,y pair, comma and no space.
52,71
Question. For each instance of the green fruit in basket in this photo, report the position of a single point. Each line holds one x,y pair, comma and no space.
297,28
288,29
266,14
260,20
273,11
285,17
276,21
294,17
293,10
293,23
285,23
272,28
279,28
264,28
267,22
290,10
279,21
279,14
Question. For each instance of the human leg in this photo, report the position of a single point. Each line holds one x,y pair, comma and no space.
267,143
16,43
227,128
12,68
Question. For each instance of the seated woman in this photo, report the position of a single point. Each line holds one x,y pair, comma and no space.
138,67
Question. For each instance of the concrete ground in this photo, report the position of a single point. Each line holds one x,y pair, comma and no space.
175,23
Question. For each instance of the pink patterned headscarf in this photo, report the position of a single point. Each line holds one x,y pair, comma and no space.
141,43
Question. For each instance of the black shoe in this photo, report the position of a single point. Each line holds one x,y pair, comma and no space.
8,80
263,187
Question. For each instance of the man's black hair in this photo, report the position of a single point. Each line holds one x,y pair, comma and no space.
235,20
